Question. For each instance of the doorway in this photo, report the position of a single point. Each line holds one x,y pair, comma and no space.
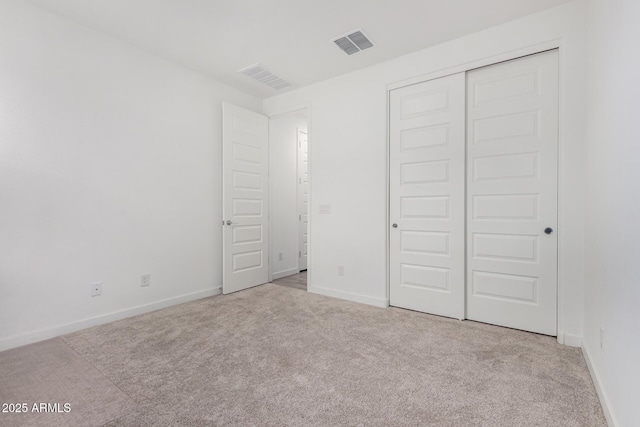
289,198
473,194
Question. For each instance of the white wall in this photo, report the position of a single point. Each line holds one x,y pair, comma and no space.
283,192
613,206
348,158
110,167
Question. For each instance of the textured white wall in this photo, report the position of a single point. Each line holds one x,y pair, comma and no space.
283,189
348,158
110,167
613,205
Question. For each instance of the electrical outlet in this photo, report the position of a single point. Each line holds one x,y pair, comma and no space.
324,209
280,256
341,270
145,280
601,338
96,289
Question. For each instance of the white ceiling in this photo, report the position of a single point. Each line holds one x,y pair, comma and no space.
290,37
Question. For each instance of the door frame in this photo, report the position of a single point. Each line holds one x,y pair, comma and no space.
468,66
298,176
305,108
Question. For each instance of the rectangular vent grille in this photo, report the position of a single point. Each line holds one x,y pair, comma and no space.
353,42
261,74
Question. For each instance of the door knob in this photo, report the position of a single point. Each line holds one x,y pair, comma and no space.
229,222
548,230
395,225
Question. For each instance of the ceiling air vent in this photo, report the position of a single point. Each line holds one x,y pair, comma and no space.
353,42
261,74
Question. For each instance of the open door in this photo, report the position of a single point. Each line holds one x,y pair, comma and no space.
245,137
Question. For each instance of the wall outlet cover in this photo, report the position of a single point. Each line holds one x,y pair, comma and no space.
145,280
96,289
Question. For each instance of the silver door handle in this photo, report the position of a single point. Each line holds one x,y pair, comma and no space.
229,222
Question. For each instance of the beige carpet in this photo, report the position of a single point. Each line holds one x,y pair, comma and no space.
52,373
274,355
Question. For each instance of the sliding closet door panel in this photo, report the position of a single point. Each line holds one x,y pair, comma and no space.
427,196
512,158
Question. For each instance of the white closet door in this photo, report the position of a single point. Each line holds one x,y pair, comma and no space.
512,158
427,169
303,199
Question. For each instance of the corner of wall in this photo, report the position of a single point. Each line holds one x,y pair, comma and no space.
602,396
350,296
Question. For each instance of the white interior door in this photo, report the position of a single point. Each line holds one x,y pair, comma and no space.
245,156
427,170
512,157
303,199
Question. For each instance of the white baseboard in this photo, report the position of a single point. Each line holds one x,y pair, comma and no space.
350,296
284,273
604,401
569,339
44,334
